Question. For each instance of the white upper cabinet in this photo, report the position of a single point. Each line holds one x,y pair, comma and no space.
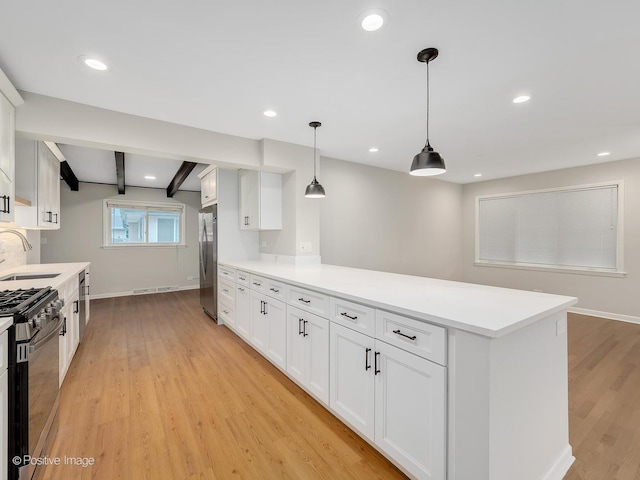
209,187
38,182
7,160
260,200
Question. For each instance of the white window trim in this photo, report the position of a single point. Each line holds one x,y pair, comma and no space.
106,223
605,272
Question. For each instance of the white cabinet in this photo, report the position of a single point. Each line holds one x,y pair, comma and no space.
351,373
209,187
70,336
410,417
38,181
87,298
260,200
308,352
268,327
391,397
243,311
7,160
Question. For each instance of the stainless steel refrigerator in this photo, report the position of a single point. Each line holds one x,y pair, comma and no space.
208,230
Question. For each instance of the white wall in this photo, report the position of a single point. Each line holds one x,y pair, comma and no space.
385,220
616,296
115,271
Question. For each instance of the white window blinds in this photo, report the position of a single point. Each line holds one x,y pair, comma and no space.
574,227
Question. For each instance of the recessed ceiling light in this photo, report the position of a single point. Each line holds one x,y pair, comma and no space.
270,113
478,175
372,22
94,63
521,99
604,154
149,177
373,149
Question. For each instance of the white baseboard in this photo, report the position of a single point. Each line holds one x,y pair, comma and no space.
96,296
560,468
607,315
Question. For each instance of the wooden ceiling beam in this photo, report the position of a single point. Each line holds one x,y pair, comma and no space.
120,171
68,176
180,176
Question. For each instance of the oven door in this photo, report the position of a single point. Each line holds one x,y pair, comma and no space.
43,388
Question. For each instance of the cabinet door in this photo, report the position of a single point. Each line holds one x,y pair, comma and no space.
410,411
45,214
351,374
276,334
4,426
62,339
209,188
296,346
258,332
73,326
7,160
249,184
54,189
243,311
87,299
316,330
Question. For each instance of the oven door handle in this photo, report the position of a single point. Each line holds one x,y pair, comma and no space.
34,346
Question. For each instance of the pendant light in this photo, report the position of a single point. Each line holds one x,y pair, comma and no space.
428,162
314,189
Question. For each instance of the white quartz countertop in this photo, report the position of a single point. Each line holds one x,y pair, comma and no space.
480,309
65,271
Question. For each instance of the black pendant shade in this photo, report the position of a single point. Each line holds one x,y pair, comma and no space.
314,189
428,162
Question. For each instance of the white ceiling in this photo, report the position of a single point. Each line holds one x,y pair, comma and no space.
99,166
218,64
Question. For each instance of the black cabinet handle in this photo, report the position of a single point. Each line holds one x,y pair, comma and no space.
6,206
261,307
224,311
63,332
56,222
398,332
265,308
367,359
300,320
304,328
242,278
241,289
303,300
257,284
376,370
345,314
76,306
274,290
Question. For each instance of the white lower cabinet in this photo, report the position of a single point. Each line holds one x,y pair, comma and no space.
243,311
410,417
351,374
4,404
268,327
308,352
393,398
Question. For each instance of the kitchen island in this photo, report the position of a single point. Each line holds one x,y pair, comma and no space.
448,380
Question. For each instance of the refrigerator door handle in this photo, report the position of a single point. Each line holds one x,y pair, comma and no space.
203,248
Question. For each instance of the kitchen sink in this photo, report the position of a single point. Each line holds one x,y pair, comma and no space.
27,276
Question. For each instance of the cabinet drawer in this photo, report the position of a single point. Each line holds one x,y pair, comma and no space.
227,291
243,278
4,351
309,300
226,272
276,289
353,315
227,312
258,283
423,339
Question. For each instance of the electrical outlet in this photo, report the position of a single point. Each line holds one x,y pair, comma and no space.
561,326
306,247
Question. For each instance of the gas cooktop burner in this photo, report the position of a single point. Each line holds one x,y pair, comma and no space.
13,301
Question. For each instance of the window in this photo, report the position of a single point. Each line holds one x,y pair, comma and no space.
132,223
574,228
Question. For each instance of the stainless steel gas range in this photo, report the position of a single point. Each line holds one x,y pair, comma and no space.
33,374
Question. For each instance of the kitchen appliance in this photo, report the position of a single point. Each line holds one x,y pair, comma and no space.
82,308
208,233
33,374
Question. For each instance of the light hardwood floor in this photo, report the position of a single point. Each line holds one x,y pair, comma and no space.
158,391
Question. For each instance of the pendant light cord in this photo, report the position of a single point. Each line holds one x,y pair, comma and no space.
314,152
427,102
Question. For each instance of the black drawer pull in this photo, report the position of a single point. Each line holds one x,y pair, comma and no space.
257,284
242,278
345,314
376,370
300,320
224,311
367,359
303,300
304,328
398,332
274,290
241,289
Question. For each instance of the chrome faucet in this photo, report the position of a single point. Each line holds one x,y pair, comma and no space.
25,243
